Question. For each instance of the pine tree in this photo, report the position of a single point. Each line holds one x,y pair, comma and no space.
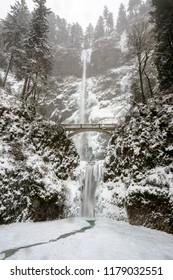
38,51
121,20
51,18
76,36
99,29
62,32
134,6
89,36
110,23
105,14
16,27
163,17
2,52
108,20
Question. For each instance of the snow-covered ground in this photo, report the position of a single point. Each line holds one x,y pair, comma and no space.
75,238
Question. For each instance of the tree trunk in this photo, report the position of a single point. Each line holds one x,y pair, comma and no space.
24,88
141,82
149,84
8,69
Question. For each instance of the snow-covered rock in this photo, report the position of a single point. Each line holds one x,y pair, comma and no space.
140,155
35,159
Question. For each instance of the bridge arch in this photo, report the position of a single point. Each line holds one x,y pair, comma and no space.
74,129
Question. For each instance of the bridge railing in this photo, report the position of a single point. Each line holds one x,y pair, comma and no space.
89,126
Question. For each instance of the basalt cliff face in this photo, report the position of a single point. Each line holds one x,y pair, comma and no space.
106,54
66,62
108,87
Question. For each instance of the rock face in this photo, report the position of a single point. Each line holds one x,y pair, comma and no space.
107,86
141,156
67,62
105,55
35,158
61,98
151,207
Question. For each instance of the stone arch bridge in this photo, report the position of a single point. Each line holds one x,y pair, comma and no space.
73,129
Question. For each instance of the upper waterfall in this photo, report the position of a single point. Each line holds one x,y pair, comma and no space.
85,58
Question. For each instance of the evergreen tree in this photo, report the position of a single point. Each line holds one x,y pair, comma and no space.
134,6
108,20
99,29
38,51
2,52
110,23
76,36
51,18
121,20
163,17
16,26
105,14
62,32
89,36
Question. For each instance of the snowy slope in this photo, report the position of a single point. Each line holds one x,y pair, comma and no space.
35,159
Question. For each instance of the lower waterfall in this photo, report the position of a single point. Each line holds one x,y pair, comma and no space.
92,179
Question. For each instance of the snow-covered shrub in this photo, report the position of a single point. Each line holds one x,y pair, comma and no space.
143,142
140,153
35,158
150,206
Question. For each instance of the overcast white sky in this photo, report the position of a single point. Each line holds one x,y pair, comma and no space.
82,11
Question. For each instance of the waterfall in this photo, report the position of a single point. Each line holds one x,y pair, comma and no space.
93,170
93,177
86,55
82,108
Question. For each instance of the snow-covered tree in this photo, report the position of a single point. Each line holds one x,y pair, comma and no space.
51,18
99,29
134,6
89,36
38,51
122,19
110,23
140,44
16,26
62,32
108,20
76,36
2,52
163,18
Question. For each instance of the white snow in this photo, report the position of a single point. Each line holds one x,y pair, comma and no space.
106,240
109,200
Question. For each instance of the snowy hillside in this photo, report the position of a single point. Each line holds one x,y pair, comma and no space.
35,158
139,159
